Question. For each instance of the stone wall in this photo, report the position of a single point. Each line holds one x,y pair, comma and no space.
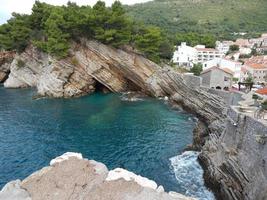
192,81
230,98
235,162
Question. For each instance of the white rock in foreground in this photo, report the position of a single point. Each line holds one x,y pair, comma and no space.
130,176
13,191
70,177
65,156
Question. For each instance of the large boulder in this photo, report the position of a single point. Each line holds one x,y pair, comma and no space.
72,177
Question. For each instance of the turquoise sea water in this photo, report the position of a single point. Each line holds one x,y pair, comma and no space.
143,136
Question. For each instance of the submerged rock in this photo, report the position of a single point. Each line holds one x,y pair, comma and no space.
72,177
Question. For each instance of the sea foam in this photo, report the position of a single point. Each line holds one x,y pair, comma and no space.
189,175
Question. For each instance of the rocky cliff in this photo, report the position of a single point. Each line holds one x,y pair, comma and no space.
72,177
93,66
235,162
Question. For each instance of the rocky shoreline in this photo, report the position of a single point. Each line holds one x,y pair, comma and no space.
93,66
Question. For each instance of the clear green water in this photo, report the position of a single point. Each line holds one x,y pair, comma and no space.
140,136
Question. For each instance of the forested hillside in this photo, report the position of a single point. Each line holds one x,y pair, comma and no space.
218,17
52,28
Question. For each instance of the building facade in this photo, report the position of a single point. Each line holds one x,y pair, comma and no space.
205,54
223,46
257,71
217,78
232,65
184,55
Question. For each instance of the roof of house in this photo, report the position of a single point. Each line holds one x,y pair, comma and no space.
242,42
225,70
256,65
262,91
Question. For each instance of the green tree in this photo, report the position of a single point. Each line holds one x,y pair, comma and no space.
193,39
149,41
196,69
115,26
234,48
249,79
15,35
57,40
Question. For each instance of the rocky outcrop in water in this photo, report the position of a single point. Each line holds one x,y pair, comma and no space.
72,177
92,65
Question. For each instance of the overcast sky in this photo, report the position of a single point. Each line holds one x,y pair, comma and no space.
24,6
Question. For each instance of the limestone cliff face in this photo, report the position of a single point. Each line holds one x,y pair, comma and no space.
51,77
235,162
91,63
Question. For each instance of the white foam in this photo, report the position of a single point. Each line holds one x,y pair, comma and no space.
65,156
189,175
130,176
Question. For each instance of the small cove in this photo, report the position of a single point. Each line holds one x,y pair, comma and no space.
146,137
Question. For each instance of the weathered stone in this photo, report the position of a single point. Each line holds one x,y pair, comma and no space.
72,177
13,191
234,161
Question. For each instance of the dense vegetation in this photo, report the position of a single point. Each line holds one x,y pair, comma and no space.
51,28
218,17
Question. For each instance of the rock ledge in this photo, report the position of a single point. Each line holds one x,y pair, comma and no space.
72,177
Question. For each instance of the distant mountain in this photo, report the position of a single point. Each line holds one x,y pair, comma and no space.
220,17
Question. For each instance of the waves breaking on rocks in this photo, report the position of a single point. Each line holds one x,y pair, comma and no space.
189,175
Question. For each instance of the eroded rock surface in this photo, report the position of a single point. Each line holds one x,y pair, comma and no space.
5,61
71,177
235,161
117,70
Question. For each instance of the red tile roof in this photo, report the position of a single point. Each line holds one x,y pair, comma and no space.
262,91
257,66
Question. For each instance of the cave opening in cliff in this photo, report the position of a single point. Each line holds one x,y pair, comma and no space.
131,86
99,87
5,77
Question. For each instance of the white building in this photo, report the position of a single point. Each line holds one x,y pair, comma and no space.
257,71
223,46
225,63
245,50
205,54
184,55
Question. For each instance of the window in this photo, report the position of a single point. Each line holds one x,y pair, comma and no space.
226,78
